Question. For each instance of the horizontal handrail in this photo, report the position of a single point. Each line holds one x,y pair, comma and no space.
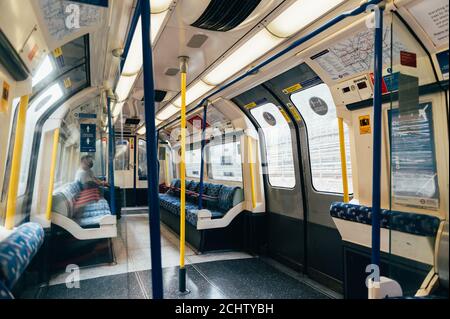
297,43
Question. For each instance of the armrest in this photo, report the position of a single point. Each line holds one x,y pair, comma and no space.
108,220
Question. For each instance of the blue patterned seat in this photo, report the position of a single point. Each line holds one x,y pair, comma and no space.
5,294
417,224
92,214
226,196
221,200
212,190
16,253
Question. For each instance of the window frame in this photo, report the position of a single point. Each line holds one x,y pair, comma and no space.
209,170
192,149
351,194
266,149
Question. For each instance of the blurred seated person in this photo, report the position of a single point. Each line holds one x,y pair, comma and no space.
90,185
85,175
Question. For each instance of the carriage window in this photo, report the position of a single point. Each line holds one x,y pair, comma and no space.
100,157
142,170
319,113
225,162
122,158
193,163
280,160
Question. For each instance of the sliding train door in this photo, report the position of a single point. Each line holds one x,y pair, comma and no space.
297,122
286,231
309,103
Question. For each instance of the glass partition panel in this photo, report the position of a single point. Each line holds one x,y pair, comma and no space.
413,140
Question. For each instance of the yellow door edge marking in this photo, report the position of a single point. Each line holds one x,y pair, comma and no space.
251,106
285,115
294,112
292,89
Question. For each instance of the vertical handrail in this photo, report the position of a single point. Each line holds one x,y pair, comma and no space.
252,170
167,168
101,154
152,158
51,182
343,160
183,68
111,141
16,163
377,117
202,161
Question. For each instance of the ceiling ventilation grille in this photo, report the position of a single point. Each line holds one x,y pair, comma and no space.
225,15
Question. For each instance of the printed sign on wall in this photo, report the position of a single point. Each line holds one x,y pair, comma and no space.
364,125
88,138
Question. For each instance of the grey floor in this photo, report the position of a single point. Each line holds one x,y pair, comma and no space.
218,275
229,279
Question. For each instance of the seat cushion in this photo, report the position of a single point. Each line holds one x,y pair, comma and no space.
94,207
17,251
356,213
416,224
170,203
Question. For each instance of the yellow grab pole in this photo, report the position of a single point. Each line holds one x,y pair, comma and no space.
16,161
52,175
343,159
252,171
183,70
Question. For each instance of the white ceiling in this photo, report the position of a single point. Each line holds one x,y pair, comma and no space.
173,41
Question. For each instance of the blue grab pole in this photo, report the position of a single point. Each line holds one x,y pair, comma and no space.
202,162
152,158
112,193
377,114
361,9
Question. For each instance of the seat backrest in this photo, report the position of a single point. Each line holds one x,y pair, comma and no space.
17,251
412,223
226,198
64,199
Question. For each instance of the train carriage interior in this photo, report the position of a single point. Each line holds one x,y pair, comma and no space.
224,149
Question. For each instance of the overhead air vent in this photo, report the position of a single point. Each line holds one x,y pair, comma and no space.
132,121
225,15
172,71
197,41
